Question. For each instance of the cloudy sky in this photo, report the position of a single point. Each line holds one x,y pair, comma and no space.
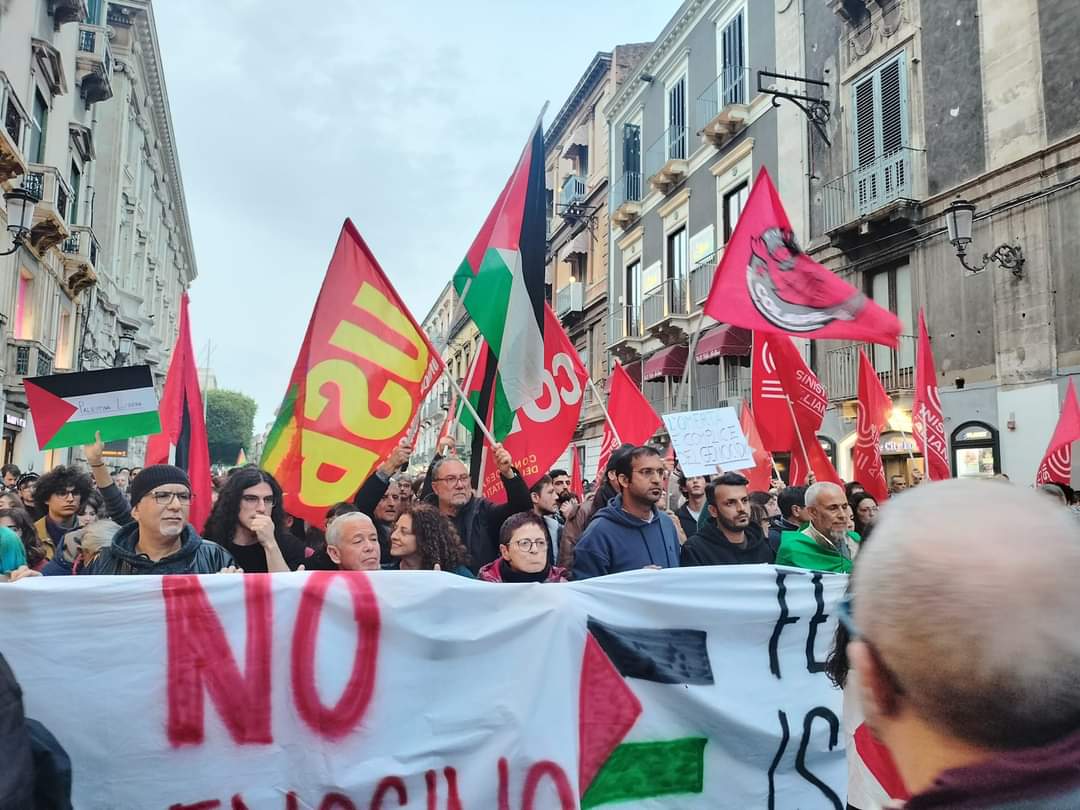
406,117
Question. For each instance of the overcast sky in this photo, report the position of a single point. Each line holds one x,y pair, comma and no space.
406,117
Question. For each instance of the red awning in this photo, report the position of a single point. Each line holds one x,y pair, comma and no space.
668,362
723,341
634,370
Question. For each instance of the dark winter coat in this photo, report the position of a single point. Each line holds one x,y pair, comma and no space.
711,547
196,556
617,541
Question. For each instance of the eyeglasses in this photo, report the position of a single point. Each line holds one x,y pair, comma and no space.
253,500
69,493
846,616
454,480
531,545
651,472
165,498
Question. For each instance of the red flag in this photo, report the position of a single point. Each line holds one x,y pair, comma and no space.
761,474
873,418
182,425
1056,465
928,421
819,462
766,283
542,429
363,369
780,376
632,414
577,478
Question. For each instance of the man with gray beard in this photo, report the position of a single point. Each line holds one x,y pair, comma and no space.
824,545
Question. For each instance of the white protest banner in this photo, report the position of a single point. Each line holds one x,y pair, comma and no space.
707,439
696,689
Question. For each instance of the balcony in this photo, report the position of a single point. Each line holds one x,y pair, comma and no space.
722,109
51,214
665,160
883,190
666,310
93,64
701,278
65,11
573,190
570,300
624,332
80,259
12,133
725,393
26,358
895,368
626,199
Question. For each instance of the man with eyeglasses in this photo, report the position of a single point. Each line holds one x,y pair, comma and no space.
524,552
477,519
58,495
966,652
630,532
824,544
379,497
161,541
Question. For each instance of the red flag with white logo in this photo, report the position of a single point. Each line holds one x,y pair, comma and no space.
632,414
928,421
873,418
1056,467
766,283
761,474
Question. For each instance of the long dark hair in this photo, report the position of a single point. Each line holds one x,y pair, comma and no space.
437,540
854,501
24,527
221,525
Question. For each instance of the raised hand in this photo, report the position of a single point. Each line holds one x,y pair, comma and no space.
504,462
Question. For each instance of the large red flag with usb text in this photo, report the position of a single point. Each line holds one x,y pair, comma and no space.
766,283
927,419
873,418
1056,465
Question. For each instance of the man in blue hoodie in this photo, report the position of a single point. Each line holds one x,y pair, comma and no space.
630,532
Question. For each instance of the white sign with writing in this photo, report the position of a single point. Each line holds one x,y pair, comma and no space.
705,440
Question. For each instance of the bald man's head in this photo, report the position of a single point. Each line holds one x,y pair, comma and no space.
968,596
352,542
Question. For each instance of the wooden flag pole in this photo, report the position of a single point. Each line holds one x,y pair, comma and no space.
603,407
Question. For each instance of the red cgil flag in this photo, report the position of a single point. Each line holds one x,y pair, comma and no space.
632,414
761,474
873,418
766,283
577,478
183,430
928,421
1056,467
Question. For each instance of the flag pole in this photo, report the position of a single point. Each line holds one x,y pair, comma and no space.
798,433
684,384
603,407
452,417
476,417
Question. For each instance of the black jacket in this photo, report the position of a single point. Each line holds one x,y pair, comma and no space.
478,522
367,498
777,526
196,556
710,547
688,521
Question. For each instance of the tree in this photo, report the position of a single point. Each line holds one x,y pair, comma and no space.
230,421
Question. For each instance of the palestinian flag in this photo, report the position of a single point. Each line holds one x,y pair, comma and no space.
68,409
501,282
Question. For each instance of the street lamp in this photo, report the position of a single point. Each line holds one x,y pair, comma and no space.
20,205
124,345
959,219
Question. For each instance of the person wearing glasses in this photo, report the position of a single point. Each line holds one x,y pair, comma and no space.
58,495
379,497
161,541
424,539
630,532
524,553
248,521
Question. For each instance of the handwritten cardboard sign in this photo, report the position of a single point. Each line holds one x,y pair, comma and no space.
705,440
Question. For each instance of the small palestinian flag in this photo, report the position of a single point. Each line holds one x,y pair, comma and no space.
68,409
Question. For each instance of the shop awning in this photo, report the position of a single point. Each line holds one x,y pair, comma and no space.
668,362
579,244
723,341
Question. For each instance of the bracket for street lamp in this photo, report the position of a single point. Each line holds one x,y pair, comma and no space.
959,220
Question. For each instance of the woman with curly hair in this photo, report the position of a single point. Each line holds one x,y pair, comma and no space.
18,520
425,540
248,520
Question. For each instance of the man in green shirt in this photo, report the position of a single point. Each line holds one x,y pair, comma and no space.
824,544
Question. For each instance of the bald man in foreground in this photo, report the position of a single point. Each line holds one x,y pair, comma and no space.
967,646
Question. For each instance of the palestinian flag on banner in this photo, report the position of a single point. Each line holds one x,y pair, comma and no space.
501,282
68,409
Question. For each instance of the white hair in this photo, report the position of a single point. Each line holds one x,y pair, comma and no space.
335,532
815,491
971,597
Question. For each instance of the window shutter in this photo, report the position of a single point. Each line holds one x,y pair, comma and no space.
865,123
676,140
733,62
892,106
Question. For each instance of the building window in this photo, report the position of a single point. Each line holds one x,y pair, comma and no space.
76,185
676,119
880,105
24,317
676,254
39,128
631,152
734,202
632,298
975,451
733,62
892,290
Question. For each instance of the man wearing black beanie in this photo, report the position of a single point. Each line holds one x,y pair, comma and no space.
161,541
